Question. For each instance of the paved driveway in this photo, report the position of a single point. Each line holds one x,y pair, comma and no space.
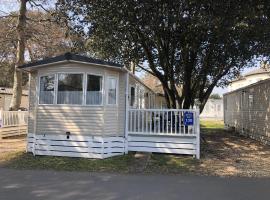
26,185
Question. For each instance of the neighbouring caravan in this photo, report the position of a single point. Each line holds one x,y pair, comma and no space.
85,107
247,110
213,110
5,99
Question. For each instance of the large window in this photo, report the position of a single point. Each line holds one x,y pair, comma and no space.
77,89
70,89
46,91
94,90
112,93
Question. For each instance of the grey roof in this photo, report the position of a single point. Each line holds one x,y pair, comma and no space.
257,71
69,57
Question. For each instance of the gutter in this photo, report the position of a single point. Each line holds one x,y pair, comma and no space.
28,69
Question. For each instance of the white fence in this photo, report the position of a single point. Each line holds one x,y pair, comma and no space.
13,123
163,122
13,118
164,131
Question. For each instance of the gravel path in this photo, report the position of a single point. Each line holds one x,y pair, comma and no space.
229,154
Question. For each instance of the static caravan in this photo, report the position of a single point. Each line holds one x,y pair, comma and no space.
247,110
5,99
85,107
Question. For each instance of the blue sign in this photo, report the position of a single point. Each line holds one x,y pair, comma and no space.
188,118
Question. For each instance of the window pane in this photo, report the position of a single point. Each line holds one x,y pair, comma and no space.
111,91
94,90
70,89
46,93
132,96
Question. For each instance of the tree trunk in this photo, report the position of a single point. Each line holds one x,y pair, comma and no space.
17,84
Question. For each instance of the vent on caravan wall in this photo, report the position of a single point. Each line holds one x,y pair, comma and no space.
68,134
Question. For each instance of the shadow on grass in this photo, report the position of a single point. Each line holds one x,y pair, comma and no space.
22,160
158,163
167,163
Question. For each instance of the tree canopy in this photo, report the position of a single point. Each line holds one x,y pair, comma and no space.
195,45
215,96
45,37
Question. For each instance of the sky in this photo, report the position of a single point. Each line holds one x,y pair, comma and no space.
221,91
7,6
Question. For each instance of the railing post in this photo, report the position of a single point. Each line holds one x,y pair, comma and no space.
1,118
127,114
1,122
198,137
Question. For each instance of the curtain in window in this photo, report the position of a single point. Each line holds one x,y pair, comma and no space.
112,90
94,90
70,89
46,89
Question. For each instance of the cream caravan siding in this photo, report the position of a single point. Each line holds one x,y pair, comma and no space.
148,101
32,102
83,120
114,118
74,119
248,110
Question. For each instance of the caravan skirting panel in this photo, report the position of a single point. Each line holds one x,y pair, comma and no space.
76,146
163,144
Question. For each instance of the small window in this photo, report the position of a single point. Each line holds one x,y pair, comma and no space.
112,93
218,108
132,96
250,100
94,90
70,89
46,89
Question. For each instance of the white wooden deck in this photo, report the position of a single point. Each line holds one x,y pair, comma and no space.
13,131
13,123
172,131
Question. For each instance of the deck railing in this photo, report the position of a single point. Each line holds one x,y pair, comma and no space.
163,121
13,118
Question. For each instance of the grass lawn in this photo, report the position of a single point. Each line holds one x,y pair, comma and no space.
149,163
22,160
212,125
222,153
156,163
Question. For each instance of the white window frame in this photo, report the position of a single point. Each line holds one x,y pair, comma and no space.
83,87
102,89
107,89
250,100
38,88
